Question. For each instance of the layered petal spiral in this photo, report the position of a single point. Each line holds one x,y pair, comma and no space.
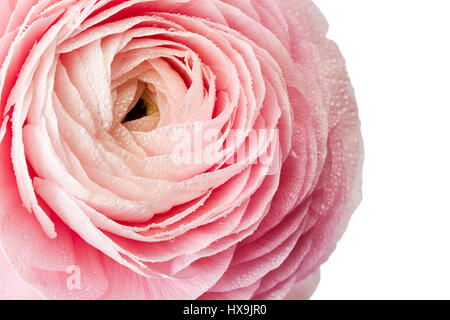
172,149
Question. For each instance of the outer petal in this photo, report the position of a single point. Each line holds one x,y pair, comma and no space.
13,287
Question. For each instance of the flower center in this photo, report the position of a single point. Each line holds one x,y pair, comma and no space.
138,111
145,112
144,107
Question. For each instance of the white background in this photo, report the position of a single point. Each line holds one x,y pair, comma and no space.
397,244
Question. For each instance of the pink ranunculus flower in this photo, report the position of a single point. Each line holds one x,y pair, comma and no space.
172,149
